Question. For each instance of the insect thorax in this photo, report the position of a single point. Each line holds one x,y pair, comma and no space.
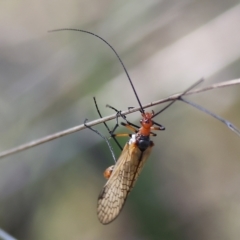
143,142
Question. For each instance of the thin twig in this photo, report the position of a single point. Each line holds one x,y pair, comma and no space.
108,118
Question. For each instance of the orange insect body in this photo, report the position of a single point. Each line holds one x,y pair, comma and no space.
124,174
146,123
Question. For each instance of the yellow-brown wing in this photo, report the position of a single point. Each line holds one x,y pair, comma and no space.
121,181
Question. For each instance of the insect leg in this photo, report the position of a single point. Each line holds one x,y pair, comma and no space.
124,118
110,132
119,114
106,140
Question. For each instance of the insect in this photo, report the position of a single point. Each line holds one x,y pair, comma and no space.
123,175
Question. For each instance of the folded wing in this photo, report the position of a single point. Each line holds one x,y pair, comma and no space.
121,181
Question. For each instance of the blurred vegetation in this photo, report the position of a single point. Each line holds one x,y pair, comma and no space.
189,188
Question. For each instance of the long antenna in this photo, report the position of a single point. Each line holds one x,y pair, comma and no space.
187,90
230,125
79,30
227,123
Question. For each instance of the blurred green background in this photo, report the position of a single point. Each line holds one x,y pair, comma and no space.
189,188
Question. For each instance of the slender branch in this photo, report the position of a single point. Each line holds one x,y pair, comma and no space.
113,116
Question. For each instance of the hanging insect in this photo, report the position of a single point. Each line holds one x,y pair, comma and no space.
123,175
